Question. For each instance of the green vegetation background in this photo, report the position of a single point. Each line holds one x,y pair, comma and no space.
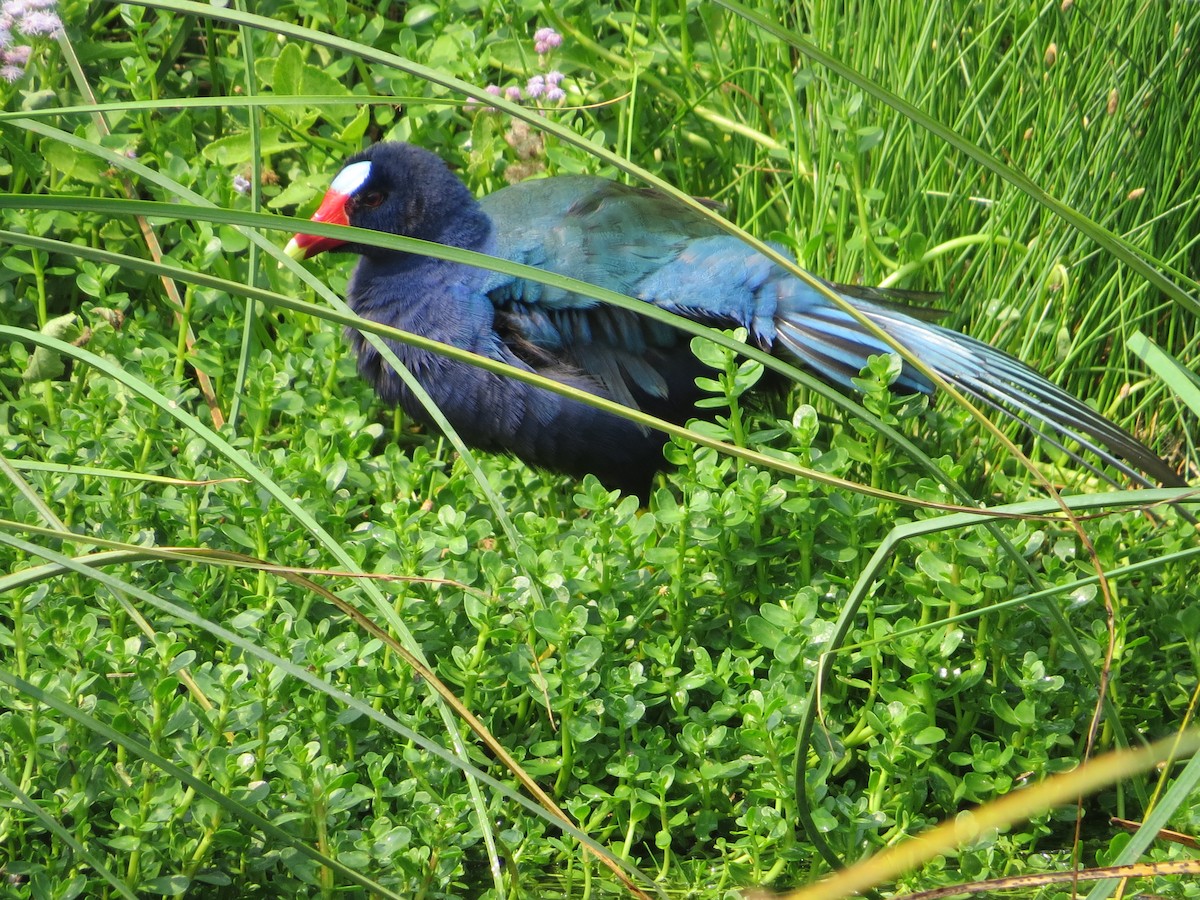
651,669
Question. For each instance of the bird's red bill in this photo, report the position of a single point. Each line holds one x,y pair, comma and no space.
333,211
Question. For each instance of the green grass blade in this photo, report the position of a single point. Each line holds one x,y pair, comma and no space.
1182,382
250,316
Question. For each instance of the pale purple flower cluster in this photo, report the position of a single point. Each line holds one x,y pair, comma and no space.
23,19
545,87
545,40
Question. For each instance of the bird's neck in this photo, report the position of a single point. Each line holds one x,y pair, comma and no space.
468,227
414,268
412,291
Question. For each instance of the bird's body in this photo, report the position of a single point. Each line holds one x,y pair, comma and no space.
640,243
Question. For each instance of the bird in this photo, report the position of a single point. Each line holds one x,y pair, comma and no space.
642,243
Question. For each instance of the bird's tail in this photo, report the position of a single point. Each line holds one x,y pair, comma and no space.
832,343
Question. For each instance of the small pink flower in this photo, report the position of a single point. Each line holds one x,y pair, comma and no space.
545,40
473,104
536,86
513,94
11,73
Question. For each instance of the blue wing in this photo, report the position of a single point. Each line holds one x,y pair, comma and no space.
643,244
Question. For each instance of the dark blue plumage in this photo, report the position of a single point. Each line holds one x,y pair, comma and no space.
643,244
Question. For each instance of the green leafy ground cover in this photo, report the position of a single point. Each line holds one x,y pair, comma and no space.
187,726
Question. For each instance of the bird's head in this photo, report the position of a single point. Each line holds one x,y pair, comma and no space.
391,187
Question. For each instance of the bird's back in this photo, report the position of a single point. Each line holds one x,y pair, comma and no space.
590,228
644,244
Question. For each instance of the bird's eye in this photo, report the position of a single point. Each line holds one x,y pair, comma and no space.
370,199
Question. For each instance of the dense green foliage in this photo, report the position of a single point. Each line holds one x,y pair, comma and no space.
649,668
